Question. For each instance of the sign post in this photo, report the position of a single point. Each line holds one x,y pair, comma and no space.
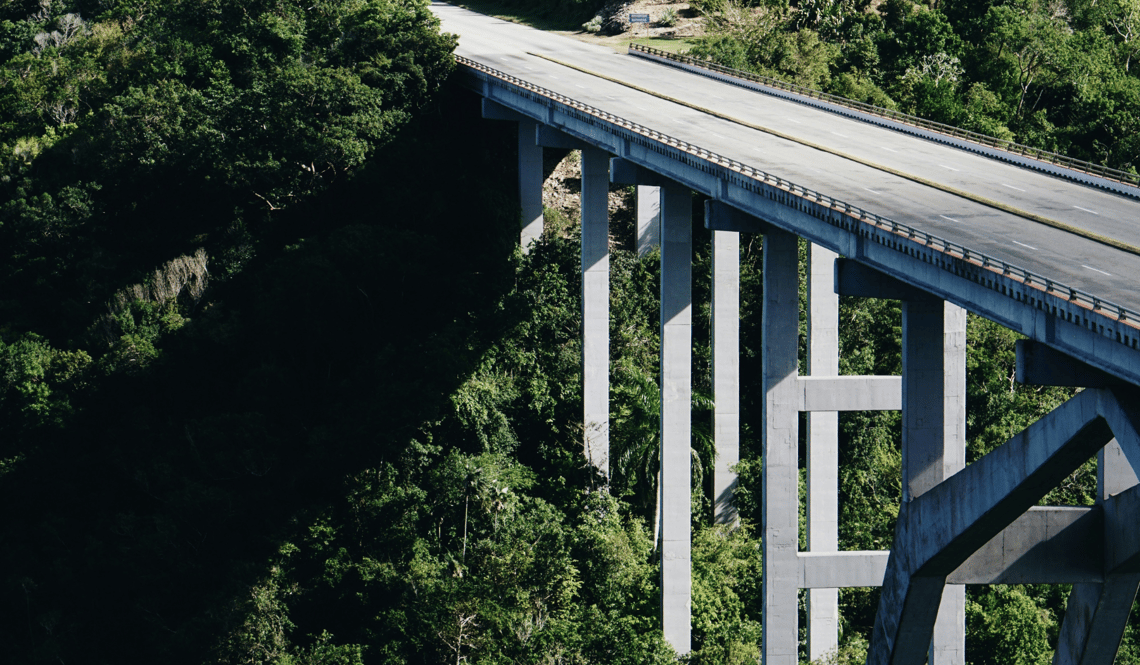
639,18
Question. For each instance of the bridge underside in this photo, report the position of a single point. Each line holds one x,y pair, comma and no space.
958,524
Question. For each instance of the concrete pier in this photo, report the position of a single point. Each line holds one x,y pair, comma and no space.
596,307
676,399
648,218
780,449
822,447
934,434
725,371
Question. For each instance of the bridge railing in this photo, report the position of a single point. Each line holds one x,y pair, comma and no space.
1050,286
890,114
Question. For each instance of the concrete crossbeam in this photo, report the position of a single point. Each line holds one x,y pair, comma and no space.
823,440
780,449
725,371
676,410
855,279
823,570
850,393
549,137
596,308
625,172
1046,545
939,530
530,170
1038,365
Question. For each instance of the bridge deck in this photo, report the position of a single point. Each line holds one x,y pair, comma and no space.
1078,261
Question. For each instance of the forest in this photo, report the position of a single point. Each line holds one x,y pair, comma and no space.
267,396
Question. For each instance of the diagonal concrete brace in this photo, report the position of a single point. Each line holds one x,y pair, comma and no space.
940,529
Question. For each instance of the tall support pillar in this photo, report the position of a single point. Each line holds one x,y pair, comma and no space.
726,371
530,184
596,307
780,449
676,398
934,434
648,218
822,447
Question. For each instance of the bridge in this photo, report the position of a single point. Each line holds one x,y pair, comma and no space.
946,224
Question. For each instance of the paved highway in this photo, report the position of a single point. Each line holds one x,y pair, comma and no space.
555,62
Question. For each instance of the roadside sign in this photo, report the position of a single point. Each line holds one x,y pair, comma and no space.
639,18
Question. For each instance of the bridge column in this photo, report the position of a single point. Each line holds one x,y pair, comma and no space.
530,169
596,307
648,218
780,449
725,371
676,409
934,434
822,447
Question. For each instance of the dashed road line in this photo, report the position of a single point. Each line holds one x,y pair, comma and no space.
1012,187
795,121
951,219
1096,270
1024,245
872,191
997,205
843,135
888,149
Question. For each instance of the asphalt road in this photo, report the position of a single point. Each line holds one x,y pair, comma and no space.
1091,266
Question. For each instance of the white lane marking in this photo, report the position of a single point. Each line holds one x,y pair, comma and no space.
1024,245
951,219
948,167
580,86
716,96
871,190
1012,187
795,121
888,149
838,134
641,107
530,68
1095,270
1087,210
718,135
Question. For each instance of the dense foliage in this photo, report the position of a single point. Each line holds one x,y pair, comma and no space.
267,396
1057,75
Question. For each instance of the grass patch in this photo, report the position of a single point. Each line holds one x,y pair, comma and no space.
669,44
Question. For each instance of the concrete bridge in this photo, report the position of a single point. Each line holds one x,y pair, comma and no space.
944,224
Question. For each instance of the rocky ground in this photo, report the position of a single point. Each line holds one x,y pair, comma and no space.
562,198
617,31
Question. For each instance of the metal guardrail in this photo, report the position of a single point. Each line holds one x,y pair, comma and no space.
954,250
949,130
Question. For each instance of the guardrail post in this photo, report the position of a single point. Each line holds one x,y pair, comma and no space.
596,307
676,410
